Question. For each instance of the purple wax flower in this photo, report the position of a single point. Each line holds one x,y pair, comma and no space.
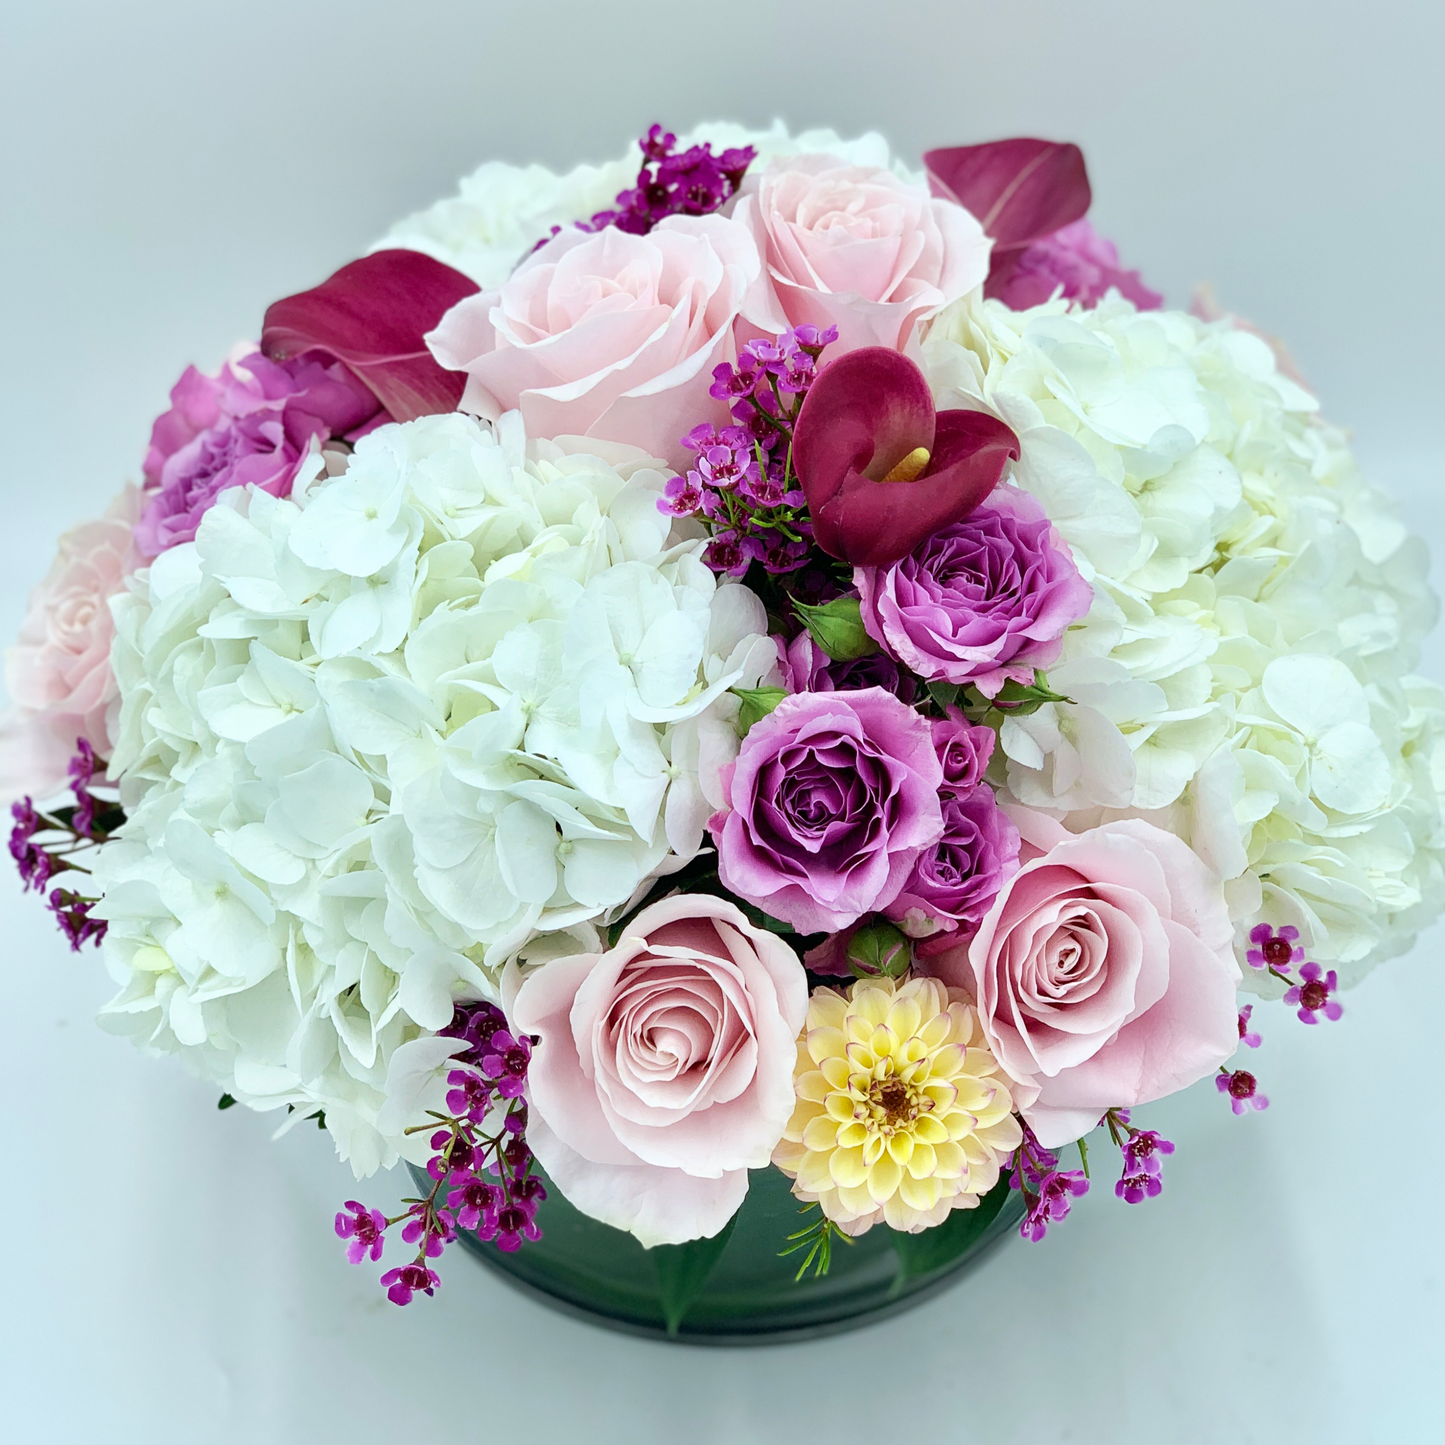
954,882
1312,994
72,913
1079,260
476,1023
407,1280
83,767
463,1159
468,1096
694,182
1048,1191
830,802
1242,1088
365,1228
1142,1178
1052,1202
963,749
807,668
507,1063
1247,1036
435,1228
254,423
475,1205
514,1224
1276,949
34,863
982,601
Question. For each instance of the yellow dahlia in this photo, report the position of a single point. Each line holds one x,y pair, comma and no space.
902,1113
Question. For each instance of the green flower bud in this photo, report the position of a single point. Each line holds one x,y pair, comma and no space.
880,948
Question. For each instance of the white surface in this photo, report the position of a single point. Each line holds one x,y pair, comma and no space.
169,1274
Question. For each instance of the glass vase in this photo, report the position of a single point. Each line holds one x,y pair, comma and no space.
742,1290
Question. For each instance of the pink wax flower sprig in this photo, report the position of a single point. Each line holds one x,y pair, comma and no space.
46,843
1248,1036
1312,993
1048,1191
694,182
743,483
1277,950
482,1177
1142,1151
1242,1089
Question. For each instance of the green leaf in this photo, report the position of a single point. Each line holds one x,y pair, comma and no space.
837,627
225,1101
945,694
682,1270
1019,699
933,1248
880,948
757,703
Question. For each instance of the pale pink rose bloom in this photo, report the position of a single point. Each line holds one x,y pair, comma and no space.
855,247
607,334
1104,972
664,1070
58,672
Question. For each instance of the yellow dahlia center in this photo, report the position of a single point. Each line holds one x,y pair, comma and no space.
895,1101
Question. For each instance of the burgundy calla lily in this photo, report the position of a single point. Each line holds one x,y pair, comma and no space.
371,316
1021,190
880,468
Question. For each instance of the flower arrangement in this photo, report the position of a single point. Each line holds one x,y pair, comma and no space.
768,660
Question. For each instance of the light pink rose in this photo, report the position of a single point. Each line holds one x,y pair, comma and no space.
607,334
664,1067
1104,973
855,247
58,672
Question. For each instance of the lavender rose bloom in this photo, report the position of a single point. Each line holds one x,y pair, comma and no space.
954,883
963,749
807,668
252,424
829,804
983,601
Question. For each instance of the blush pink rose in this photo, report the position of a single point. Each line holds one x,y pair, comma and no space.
855,247
1104,972
58,672
663,1070
607,334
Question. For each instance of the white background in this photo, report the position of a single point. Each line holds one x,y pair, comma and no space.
169,1274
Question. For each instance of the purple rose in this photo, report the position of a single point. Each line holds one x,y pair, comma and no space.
963,749
807,668
831,800
1080,260
252,424
982,601
954,882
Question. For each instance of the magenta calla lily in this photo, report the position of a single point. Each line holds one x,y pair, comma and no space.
371,316
1021,190
880,468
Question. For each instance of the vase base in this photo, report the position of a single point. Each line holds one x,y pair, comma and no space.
749,1296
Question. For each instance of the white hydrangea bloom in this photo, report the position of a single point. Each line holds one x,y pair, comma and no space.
378,737
501,211
1243,677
